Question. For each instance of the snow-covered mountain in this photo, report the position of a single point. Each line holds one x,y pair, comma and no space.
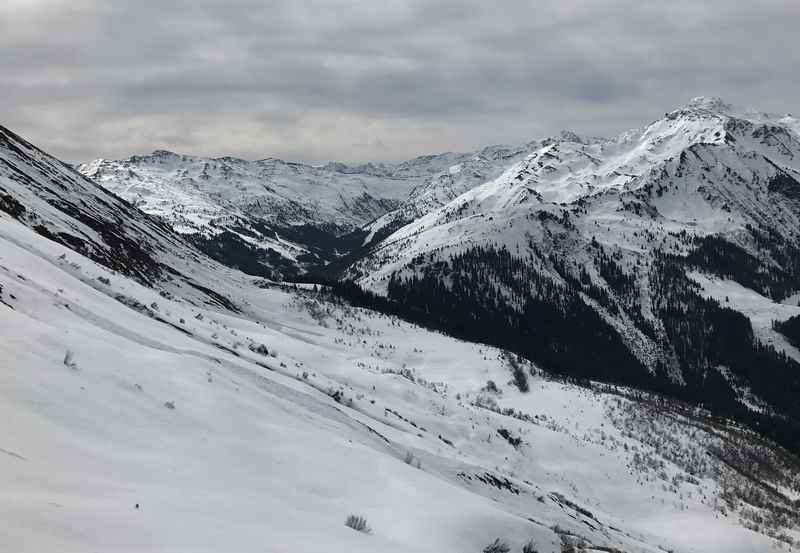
583,253
609,257
466,172
287,215
713,150
143,415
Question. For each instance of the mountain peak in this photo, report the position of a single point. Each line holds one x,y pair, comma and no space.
570,136
713,107
164,154
156,156
709,103
708,107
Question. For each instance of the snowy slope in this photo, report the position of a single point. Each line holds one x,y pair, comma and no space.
225,448
61,204
469,172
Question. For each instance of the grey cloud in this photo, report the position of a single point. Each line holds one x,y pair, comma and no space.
317,80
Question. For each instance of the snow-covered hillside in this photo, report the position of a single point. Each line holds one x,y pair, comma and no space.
61,204
144,416
467,172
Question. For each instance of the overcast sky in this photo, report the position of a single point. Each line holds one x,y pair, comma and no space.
376,79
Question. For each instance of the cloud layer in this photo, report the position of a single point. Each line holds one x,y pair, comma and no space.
314,80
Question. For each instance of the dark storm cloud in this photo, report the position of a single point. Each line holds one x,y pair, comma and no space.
316,80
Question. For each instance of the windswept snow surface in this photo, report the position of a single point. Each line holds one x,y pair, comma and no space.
171,406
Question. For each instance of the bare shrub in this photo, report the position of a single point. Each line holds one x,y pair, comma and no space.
358,523
260,349
530,547
497,546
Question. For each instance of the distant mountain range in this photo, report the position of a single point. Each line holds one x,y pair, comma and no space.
270,215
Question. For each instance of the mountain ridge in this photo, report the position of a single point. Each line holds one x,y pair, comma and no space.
621,227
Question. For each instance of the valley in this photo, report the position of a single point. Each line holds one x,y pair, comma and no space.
575,345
